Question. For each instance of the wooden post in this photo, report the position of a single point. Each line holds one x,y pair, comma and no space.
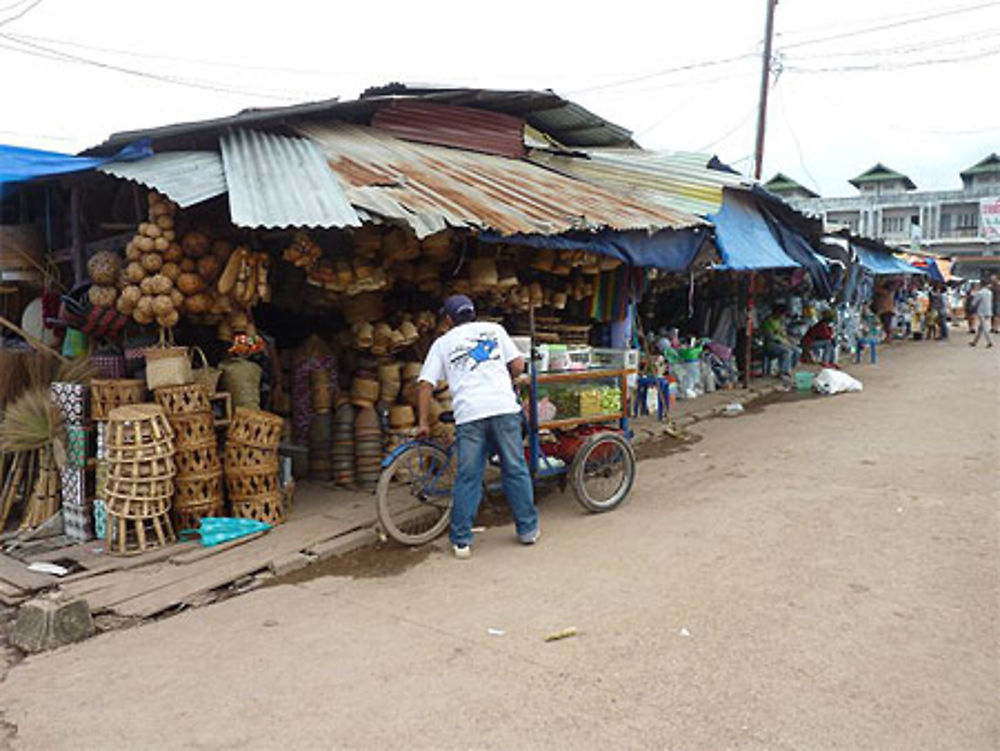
79,259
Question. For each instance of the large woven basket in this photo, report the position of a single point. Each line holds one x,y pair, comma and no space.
255,428
107,394
184,399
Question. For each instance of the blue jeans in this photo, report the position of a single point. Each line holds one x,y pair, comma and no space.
502,434
788,356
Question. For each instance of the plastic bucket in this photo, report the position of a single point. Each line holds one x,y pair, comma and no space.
804,380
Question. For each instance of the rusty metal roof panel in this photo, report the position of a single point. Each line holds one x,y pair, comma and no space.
680,180
433,187
447,125
187,177
277,181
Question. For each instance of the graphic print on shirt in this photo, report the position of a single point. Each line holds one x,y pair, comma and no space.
475,352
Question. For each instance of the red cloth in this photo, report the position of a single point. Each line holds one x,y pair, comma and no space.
817,332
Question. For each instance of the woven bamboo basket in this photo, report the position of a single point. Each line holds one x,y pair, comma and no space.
138,426
364,392
159,489
183,400
244,485
190,517
193,431
128,468
249,458
135,527
197,461
198,490
268,509
255,428
107,394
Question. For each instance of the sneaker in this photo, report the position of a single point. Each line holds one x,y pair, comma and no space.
530,538
462,551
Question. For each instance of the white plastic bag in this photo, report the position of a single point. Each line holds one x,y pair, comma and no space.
830,381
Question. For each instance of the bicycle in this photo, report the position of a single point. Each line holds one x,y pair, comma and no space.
414,491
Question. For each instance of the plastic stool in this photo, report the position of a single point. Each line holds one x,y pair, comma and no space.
662,386
872,348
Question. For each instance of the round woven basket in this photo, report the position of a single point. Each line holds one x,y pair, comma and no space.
401,416
129,468
183,400
268,509
255,428
411,370
193,430
244,485
197,461
138,426
250,458
107,394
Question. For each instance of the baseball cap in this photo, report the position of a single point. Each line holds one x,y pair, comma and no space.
455,305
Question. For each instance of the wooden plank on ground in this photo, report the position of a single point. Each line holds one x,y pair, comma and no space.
15,572
223,570
200,552
169,584
11,595
104,563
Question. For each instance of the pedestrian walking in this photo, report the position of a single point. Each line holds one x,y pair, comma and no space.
939,304
885,308
480,363
970,308
982,308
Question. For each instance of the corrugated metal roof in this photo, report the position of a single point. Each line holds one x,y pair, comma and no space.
678,180
433,187
277,181
187,177
447,125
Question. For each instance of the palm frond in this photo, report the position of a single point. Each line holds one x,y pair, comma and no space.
30,422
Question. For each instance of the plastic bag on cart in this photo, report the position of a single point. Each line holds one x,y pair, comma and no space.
830,381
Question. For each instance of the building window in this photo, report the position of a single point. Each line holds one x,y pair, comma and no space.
894,225
967,220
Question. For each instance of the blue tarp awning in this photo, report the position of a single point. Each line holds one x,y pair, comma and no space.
668,250
18,164
884,263
745,239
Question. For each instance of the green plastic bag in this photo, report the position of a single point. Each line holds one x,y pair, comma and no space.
219,529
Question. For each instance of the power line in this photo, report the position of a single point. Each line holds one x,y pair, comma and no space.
905,48
798,145
895,25
664,72
173,58
742,123
6,8
50,54
21,14
979,55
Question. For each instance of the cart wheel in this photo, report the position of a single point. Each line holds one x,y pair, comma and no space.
603,471
413,495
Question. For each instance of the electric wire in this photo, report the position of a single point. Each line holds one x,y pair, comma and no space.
20,14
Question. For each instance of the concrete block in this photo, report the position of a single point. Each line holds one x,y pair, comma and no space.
289,563
344,544
50,622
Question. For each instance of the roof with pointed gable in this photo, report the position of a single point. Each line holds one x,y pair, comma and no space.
881,173
989,164
782,183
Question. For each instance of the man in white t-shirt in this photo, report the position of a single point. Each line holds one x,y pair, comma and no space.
480,362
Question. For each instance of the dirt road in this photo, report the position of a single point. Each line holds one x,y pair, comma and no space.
819,575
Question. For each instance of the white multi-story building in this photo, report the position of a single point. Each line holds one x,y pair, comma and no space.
888,207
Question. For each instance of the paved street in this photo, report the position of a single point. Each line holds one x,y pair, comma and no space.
822,574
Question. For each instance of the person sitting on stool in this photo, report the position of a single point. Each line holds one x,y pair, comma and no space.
777,342
819,339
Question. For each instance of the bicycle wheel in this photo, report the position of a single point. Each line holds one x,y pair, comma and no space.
413,495
603,471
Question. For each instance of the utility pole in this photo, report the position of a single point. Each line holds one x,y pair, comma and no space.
765,80
758,164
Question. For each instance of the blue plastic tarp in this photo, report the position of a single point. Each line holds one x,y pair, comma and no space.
744,237
18,164
668,250
884,263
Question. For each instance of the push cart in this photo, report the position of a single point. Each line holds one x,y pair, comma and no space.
577,434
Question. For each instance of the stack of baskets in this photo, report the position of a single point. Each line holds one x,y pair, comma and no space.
107,394
321,424
199,471
252,466
343,445
367,448
140,479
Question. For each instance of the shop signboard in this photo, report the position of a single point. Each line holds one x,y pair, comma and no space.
989,218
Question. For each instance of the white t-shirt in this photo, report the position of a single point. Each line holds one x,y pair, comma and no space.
473,359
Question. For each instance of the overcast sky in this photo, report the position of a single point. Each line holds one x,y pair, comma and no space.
918,95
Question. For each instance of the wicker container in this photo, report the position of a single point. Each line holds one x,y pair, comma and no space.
190,517
153,489
401,416
240,457
198,490
198,461
138,426
267,509
193,430
364,392
320,393
134,527
411,370
187,399
126,467
243,485
255,428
